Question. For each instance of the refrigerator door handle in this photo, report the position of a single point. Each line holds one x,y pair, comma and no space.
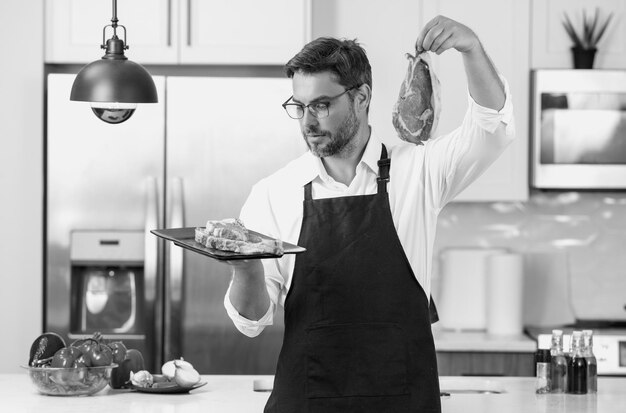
174,298
151,268
151,242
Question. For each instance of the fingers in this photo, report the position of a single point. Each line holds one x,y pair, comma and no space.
442,33
420,38
442,43
434,37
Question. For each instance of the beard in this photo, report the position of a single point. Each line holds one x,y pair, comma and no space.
333,143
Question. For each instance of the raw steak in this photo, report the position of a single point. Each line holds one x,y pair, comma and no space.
231,235
416,111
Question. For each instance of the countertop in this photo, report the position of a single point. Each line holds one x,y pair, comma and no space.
230,394
481,341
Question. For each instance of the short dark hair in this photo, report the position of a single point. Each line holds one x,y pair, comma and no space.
346,59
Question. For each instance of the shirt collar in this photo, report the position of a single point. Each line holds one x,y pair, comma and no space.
315,168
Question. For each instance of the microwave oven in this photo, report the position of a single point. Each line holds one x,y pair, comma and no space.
578,133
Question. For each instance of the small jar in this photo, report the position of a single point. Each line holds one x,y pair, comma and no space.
543,360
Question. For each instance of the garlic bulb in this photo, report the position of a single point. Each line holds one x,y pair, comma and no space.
142,378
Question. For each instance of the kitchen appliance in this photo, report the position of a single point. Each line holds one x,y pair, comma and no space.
114,84
579,129
191,157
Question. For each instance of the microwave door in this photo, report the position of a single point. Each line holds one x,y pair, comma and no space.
579,131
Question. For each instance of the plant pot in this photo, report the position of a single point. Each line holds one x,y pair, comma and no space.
583,58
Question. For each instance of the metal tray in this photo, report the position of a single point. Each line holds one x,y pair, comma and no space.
186,238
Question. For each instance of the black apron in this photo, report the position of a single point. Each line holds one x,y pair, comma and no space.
357,322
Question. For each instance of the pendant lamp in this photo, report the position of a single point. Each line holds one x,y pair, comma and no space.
114,85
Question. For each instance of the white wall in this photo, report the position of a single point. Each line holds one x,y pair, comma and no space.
21,179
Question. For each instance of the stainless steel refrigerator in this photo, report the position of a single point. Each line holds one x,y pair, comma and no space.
193,156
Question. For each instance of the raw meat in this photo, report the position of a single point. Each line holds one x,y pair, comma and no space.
416,112
231,235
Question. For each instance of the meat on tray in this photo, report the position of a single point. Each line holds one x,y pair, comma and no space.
231,235
416,112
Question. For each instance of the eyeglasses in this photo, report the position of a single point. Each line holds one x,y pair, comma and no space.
318,110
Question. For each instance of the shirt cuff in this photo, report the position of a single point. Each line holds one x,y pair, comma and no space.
489,119
250,328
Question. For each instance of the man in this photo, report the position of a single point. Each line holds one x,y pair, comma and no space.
357,330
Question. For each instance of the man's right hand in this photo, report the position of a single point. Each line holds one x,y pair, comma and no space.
248,292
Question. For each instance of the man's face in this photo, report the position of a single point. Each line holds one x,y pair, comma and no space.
331,135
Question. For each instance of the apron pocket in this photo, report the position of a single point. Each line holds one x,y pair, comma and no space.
347,360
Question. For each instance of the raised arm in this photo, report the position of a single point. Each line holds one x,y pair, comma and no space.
441,34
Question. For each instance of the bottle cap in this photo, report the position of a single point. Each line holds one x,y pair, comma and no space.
557,332
588,332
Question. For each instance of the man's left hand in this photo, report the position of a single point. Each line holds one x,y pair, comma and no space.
442,33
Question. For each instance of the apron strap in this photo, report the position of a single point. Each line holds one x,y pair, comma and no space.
308,191
384,164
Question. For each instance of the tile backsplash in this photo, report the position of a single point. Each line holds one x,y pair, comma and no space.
588,228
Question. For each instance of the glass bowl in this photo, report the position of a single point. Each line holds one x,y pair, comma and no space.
77,381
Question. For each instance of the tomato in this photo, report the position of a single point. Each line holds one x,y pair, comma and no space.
94,353
65,357
133,361
101,355
81,361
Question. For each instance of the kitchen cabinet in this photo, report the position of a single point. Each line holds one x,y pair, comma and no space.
453,363
180,31
503,28
551,45
74,30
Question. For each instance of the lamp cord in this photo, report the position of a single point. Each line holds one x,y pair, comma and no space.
114,19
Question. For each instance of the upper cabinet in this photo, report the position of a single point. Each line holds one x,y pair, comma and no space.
180,31
243,31
503,28
551,46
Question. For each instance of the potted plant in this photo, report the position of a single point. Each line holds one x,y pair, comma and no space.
585,42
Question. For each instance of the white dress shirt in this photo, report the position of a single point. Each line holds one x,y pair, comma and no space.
423,179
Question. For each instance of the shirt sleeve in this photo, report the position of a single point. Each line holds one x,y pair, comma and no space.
455,160
256,214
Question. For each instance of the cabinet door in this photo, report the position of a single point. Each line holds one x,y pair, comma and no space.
485,364
74,30
242,31
502,27
551,45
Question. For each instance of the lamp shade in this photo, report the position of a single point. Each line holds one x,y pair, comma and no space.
114,80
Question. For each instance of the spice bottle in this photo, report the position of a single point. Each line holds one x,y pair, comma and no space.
558,364
592,363
577,367
542,367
